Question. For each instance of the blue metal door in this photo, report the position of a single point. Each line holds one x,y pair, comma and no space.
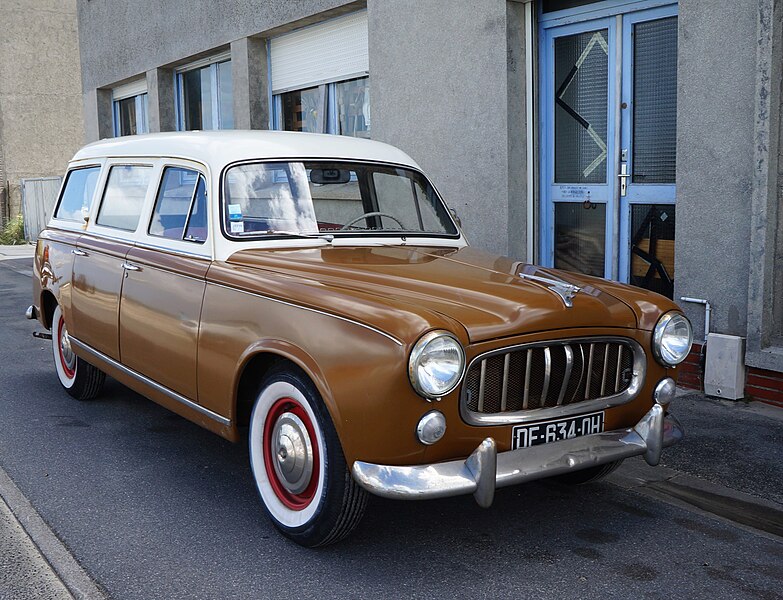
608,141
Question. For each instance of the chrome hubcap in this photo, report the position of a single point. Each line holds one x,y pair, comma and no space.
69,358
292,452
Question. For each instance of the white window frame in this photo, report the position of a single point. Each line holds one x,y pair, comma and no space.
212,62
135,89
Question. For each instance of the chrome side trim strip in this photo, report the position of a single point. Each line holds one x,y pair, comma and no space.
315,310
554,412
153,384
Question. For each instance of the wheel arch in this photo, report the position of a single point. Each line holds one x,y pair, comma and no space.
48,305
258,360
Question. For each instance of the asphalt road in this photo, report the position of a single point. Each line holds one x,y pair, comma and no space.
154,507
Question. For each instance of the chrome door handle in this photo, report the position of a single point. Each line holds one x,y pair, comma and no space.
78,252
130,267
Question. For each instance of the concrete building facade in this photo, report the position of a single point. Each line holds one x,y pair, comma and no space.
567,133
40,94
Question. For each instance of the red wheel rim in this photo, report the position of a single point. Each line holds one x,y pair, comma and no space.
290,500
69,372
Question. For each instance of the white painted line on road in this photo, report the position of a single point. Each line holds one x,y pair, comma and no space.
78,582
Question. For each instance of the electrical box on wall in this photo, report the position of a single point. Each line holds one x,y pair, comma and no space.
724,371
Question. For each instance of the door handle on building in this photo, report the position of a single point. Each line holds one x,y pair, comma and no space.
623,175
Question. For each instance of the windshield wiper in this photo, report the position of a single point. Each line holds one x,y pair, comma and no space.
327,237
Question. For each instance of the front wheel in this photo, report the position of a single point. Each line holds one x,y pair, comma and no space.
80,379
298,463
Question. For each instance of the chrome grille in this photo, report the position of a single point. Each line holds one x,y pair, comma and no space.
548,375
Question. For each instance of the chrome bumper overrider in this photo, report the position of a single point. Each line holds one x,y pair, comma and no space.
485,469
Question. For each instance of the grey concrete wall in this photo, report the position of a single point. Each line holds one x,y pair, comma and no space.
715,148
121,39
445,88
41,123
765,281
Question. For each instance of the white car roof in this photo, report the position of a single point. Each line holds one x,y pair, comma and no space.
219,148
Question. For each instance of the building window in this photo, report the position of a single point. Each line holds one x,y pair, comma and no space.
130,108
205,95
341,108
320,78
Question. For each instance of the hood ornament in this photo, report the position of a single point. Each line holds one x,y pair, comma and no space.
566,291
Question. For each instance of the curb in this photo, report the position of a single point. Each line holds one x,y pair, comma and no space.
751,513
75,579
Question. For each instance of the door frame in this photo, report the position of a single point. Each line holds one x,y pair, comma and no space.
618,17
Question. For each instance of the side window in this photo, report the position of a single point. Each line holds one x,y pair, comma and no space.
77,194
196,230
180,208
123,198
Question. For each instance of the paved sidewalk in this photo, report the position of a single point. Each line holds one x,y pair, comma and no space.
24,572
21,251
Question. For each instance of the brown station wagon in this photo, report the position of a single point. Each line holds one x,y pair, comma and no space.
314,295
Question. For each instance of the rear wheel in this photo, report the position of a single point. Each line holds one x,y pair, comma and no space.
80,379
298,464
589,474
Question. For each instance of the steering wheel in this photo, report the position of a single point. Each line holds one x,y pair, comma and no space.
373,214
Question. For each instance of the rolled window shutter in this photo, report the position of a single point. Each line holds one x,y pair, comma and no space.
330,51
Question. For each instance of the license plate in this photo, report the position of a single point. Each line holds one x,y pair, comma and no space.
524,436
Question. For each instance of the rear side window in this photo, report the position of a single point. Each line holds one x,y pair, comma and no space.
180,208
77,194
124,197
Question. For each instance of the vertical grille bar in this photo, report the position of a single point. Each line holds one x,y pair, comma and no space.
482,382
569,353
527,378
504,392
606,369
619,368
547,373
589,371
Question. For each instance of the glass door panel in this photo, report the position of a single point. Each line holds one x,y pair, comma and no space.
581,80
580,237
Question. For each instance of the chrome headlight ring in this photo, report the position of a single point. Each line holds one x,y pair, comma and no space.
672,339
436,364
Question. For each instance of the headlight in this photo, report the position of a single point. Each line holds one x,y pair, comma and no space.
672,339
437,364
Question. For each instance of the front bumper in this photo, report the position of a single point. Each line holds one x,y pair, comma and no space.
485,469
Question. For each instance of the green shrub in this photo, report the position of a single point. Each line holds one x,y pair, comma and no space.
13,232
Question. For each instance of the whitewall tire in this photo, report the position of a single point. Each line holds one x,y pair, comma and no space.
80,379
298,464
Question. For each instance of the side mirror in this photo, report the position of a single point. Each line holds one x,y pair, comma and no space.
455,216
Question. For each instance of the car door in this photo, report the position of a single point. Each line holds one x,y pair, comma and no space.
99,256
164,281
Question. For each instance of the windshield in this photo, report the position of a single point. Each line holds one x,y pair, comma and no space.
338,198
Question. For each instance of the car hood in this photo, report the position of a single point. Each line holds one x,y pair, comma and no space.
483,292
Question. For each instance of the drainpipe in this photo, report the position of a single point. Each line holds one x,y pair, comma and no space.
530,129
707,312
